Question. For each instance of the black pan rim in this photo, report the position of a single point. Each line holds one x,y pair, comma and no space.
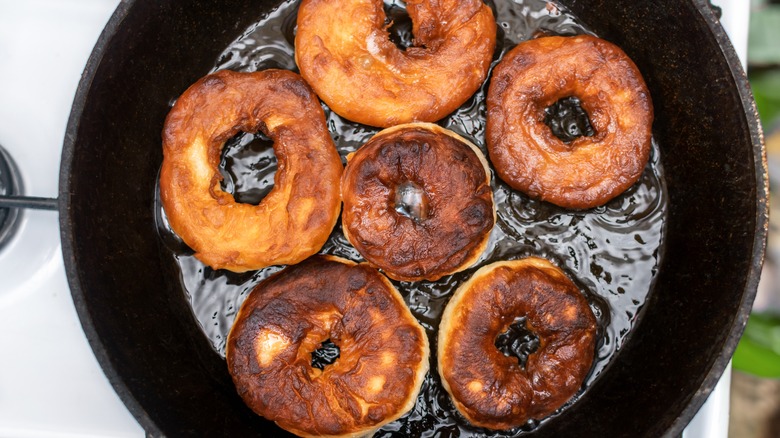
697,399
762,221
66,223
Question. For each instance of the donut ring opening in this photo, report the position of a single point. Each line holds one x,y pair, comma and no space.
296,217
418,202
491,389
344,51
567,120
241,177
591,170
383,349
517,341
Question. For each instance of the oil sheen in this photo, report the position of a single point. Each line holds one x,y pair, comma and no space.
611,252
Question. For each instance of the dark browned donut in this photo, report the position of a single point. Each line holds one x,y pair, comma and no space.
492,390
344,51
383,349
418,202
589,171
293,221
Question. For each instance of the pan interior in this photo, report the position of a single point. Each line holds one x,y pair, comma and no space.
612,251
127,286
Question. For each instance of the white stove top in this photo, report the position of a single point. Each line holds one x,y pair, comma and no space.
50,383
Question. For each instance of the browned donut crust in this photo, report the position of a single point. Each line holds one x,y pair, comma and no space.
344,51
589,171
383,358
492,390
454,178
295,219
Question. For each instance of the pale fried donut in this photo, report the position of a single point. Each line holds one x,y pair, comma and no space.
343,50
418,202
492,390
294,220
383,349
590,170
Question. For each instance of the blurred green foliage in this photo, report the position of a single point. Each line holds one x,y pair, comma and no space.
758,351
764,58
766,90
763,35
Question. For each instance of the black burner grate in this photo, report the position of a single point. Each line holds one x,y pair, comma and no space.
10,185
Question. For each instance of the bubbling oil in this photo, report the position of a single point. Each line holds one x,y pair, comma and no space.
611,252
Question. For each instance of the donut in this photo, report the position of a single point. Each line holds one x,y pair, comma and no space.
294,220
589,170
343,49
381,362
491,389
418,202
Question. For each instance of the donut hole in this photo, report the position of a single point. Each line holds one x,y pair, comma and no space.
325,355
517,341
568,120
411,201
248,166
400,24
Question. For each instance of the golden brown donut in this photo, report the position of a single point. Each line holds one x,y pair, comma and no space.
589,171
492,390
383,349
418,202
344,51
293,221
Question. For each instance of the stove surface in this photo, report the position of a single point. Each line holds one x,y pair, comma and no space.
50,382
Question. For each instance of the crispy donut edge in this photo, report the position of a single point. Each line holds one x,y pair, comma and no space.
480,248
501,154
173,157
446,326
420,373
